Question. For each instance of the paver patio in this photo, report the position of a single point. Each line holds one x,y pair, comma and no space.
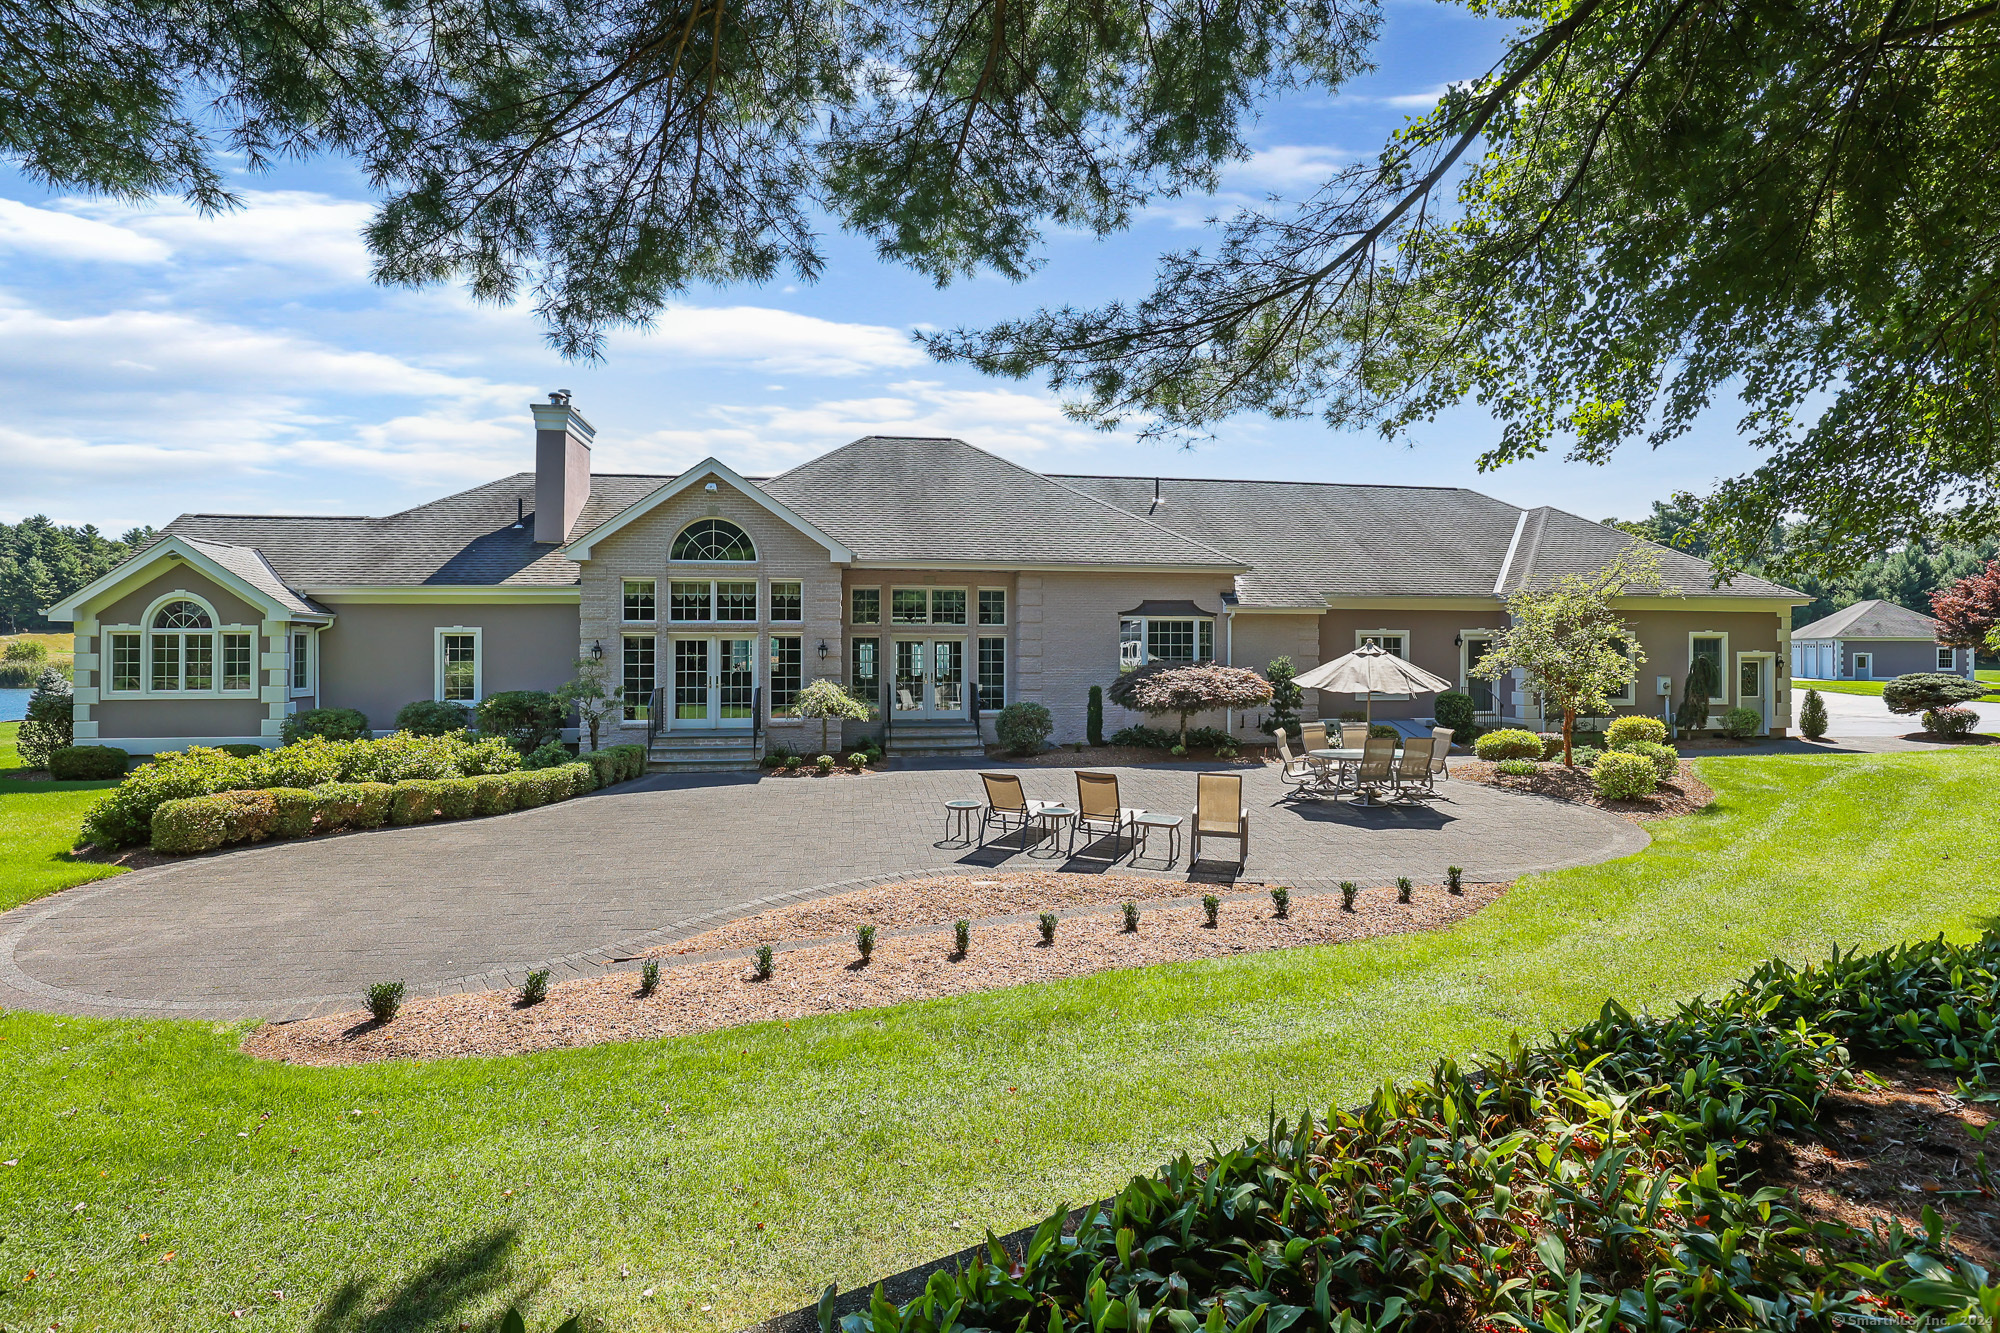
295,928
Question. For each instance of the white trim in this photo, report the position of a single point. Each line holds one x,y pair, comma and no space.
1006,608
136,571
1465,638
706,470
1768,701
1629,696
293,689
1854,670
1507,562
1720,704
930,601
1054,566
847,612
623,619
770,603
102,662
756,597
1145,624
478,662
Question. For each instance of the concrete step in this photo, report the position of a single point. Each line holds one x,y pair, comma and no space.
934,740
687,753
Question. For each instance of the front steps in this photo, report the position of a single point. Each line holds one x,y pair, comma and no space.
691,752
955,738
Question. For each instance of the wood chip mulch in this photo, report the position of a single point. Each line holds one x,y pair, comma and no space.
1683,796
1890,1150
709,993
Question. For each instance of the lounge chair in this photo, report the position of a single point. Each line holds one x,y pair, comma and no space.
1098,811
1219,813
1377,767
1312,736
1007,805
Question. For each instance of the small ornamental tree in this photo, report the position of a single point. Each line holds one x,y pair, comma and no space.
1286,697
1968,612
1185,690
1703,683
529,719
592,695
48,725
826,700
1569,642
1921,691
1812,717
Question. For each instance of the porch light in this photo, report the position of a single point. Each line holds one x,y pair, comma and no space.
597,651
822,650
1458,640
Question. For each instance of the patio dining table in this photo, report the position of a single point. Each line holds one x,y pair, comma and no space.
1328,759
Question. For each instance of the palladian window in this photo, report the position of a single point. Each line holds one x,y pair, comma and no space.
714,539
183,648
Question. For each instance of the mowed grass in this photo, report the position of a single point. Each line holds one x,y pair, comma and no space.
167,1182
1870,687
38,823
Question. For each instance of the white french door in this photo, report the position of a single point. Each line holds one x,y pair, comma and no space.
714,683
929,677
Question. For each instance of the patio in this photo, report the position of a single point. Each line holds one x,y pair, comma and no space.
289,929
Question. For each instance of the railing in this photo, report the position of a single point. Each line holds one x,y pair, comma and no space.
757,722
654,701
972,696
888,707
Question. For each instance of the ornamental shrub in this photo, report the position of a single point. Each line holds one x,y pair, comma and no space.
1620,775
1455,709
1921,691
416,801
1665,759
384,999
536,988
1625,732
1950,721
248,816
857,761
373,811
582,777
529,790
527,719
1742,723
1047,923
124,817
1508,743
824,764
1519,768
292,812
1347,892
546,756
1281,900
961,938
307,763
190,824
493,794
649,976
432,717
87,763
49,724
1812,716
335,805
1403,888
605,766
765,963
458,798
1093,716
1131,917
335,724
1023,727
558,783
1211,909
864,941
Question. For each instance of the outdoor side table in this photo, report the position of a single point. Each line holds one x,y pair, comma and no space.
1148,820
958,820
1051,818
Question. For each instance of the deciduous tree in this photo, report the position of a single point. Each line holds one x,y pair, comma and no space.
1183,691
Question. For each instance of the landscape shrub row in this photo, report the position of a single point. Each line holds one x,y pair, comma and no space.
1607,1179
204,823
124,817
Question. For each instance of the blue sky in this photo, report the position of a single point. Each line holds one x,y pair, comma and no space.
156,362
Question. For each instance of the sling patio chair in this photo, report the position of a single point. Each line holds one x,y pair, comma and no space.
1353,735
1219,813
1441,738
1306,777
1376,769
1413,773
1312,736
1098,811
1007,805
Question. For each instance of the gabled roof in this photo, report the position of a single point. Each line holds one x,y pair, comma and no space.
1872,619
239,568
1556,542
708,468
895,499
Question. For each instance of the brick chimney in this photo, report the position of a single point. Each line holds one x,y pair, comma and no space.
562,467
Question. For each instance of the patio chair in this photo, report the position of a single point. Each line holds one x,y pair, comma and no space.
1219,813
1377,768
1353,735
1312,736
1441,740
1007,805
1413,766
1098,811
1302,775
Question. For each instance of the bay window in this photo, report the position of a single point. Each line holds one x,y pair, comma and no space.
1143,640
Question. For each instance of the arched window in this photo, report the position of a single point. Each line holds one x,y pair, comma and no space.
714,539
182,615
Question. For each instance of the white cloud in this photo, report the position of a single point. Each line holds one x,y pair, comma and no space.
766,339
1287,168
1422,101
287,229
56,235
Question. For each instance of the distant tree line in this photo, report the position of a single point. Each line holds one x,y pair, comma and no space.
1907,577
42,562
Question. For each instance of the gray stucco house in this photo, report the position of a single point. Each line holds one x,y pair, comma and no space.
1874,640
931,577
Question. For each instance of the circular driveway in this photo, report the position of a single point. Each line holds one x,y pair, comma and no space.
296,928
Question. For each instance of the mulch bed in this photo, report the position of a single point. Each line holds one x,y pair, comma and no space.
1682,796
706,993
1890,1150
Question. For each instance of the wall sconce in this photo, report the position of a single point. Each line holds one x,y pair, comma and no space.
822,650
597,651
1458,641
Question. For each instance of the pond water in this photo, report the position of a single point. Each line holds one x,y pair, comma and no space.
14,704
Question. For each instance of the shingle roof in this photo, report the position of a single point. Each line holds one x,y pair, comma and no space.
1873,619
1555,542
891,498
248,563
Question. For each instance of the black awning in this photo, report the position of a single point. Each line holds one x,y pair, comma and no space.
1166,609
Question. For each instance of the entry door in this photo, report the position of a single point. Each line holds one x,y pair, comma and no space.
1753,686
930,677
1864,666
715,683
1479,687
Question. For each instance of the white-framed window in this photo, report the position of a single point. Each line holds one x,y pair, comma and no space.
639,658
697,601
1147,639
714,539
992,677
927,606
239,669
1947,659
1628,696
1714,645
1474,644
864,606
127,658
787,672
864,667
301,663
1395,642
179,649
641,601
460,664
992,607
788,600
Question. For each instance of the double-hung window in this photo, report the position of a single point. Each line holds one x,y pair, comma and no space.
641,600
866,606
1947,659
125,662
787,672
301,663
458,665
640,650
992,606
237,672
992,674
1143,640
927,606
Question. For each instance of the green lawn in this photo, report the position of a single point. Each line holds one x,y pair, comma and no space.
1873,687
38,823
732,1174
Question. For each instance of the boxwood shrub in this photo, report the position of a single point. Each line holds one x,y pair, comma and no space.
191,824
458,798
416,801
493,794
1627,731
87,763
1621,775
582,776
335,724
1742,723
1508,743
292,811
1666,760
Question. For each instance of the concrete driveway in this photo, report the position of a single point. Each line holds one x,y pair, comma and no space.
1855,716
295,928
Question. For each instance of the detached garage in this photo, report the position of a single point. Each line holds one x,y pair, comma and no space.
1873,640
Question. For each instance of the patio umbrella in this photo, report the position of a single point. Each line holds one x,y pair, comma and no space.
1368,671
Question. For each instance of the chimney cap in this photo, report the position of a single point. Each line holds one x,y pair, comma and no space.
559,414
560,397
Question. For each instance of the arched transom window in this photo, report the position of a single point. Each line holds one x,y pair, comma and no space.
714,539
181,615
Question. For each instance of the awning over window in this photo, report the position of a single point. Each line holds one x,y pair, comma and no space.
1158,610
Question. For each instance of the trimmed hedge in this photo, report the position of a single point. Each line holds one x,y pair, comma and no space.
416,801
1621,775
493,794
1628,731
458,798
1508,743
87,763
292,811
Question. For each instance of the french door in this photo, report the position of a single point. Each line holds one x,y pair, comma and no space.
929,677
714,683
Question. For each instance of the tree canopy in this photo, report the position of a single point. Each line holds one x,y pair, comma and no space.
42,562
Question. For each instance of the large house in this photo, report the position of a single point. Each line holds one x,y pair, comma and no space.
1875,640
926,574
